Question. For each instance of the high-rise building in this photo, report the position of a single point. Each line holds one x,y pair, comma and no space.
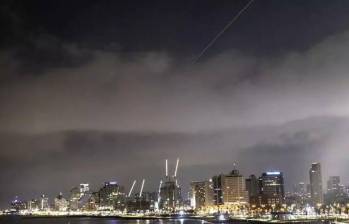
234,188
316,184
252,187
272,188
145,202
217,189
18,204
170,197
335,191
230,189
333,184
60,203
84,188
112,196
299,188
44,206
33,205
93,201
74,199
202,194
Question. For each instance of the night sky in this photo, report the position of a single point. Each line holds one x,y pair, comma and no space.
92,91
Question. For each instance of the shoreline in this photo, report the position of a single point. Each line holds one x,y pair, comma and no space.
207,219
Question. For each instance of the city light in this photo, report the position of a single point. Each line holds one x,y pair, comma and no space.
221,197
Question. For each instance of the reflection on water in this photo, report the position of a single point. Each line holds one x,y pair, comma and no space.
17,220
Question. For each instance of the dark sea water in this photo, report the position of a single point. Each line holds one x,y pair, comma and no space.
18,220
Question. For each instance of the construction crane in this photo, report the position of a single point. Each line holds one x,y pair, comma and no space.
175,173
140,193
159,193
166,168
130,192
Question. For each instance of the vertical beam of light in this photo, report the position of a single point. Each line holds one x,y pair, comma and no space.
234,19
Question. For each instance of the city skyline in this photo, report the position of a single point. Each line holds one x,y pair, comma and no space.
105,91
240,191
230,193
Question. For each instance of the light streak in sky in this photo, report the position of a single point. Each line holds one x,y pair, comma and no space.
234,19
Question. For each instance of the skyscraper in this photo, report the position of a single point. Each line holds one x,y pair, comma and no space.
74,199
170,195
252,188
234,188
18,204
202,194
272,188
333,184
217,189
44,206
84,188
316,184
60,203
230,189
170,192
111,196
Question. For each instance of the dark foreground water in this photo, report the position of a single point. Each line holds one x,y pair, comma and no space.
18,220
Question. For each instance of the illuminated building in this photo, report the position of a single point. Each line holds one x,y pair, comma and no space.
333,184
33,204
316,184
79,197
230,189
111,196
234,189
272,188
335,192
93,201
74,199
300,188
217,189
170,195
44,206
18,204
170,191
202,194
84,188
60,203
145,202
252,187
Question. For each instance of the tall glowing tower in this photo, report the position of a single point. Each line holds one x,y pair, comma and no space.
316,184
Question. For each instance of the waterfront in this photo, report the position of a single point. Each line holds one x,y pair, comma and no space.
13,219
87,220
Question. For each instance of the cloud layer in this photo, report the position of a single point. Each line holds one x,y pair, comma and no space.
102,115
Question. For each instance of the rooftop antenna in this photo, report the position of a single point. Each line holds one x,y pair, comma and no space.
175,173
130,192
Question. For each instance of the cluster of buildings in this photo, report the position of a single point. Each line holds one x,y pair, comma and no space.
229,193
233,193
110,197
